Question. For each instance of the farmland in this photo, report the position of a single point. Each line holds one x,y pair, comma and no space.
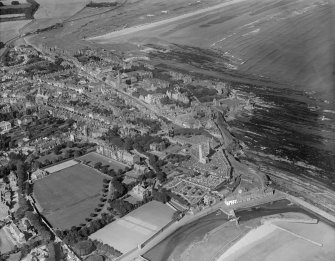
68,196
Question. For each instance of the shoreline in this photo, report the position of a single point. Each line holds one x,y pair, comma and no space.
252,215
287,229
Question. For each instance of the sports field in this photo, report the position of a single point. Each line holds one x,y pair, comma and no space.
94,157
68,196
135,228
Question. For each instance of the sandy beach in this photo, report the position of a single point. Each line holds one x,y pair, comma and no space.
283,240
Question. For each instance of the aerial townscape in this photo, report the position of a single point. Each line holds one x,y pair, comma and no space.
152,130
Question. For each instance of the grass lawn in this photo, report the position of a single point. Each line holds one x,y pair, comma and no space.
68,196
94,157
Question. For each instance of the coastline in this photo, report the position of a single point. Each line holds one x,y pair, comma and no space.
169,245
309,238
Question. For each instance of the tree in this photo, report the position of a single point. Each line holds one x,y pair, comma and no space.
97,165
119,189
160,196
104,169
36,165
128,144
77,153
111,173
69,144
67,154
56,150
47,162
15,3
29,188
161,176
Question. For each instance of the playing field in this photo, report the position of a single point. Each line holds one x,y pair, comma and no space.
94,157
135,228
68,196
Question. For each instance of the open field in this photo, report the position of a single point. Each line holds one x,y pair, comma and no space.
68,196
6,244
268,242
94,157
136,227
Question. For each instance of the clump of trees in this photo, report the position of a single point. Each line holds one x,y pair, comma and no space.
120,207
161,195
139,142
110,172
37,223
106,248
78,233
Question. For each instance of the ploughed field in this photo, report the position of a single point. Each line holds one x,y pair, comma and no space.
69,196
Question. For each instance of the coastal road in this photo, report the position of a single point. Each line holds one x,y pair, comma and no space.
142,27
